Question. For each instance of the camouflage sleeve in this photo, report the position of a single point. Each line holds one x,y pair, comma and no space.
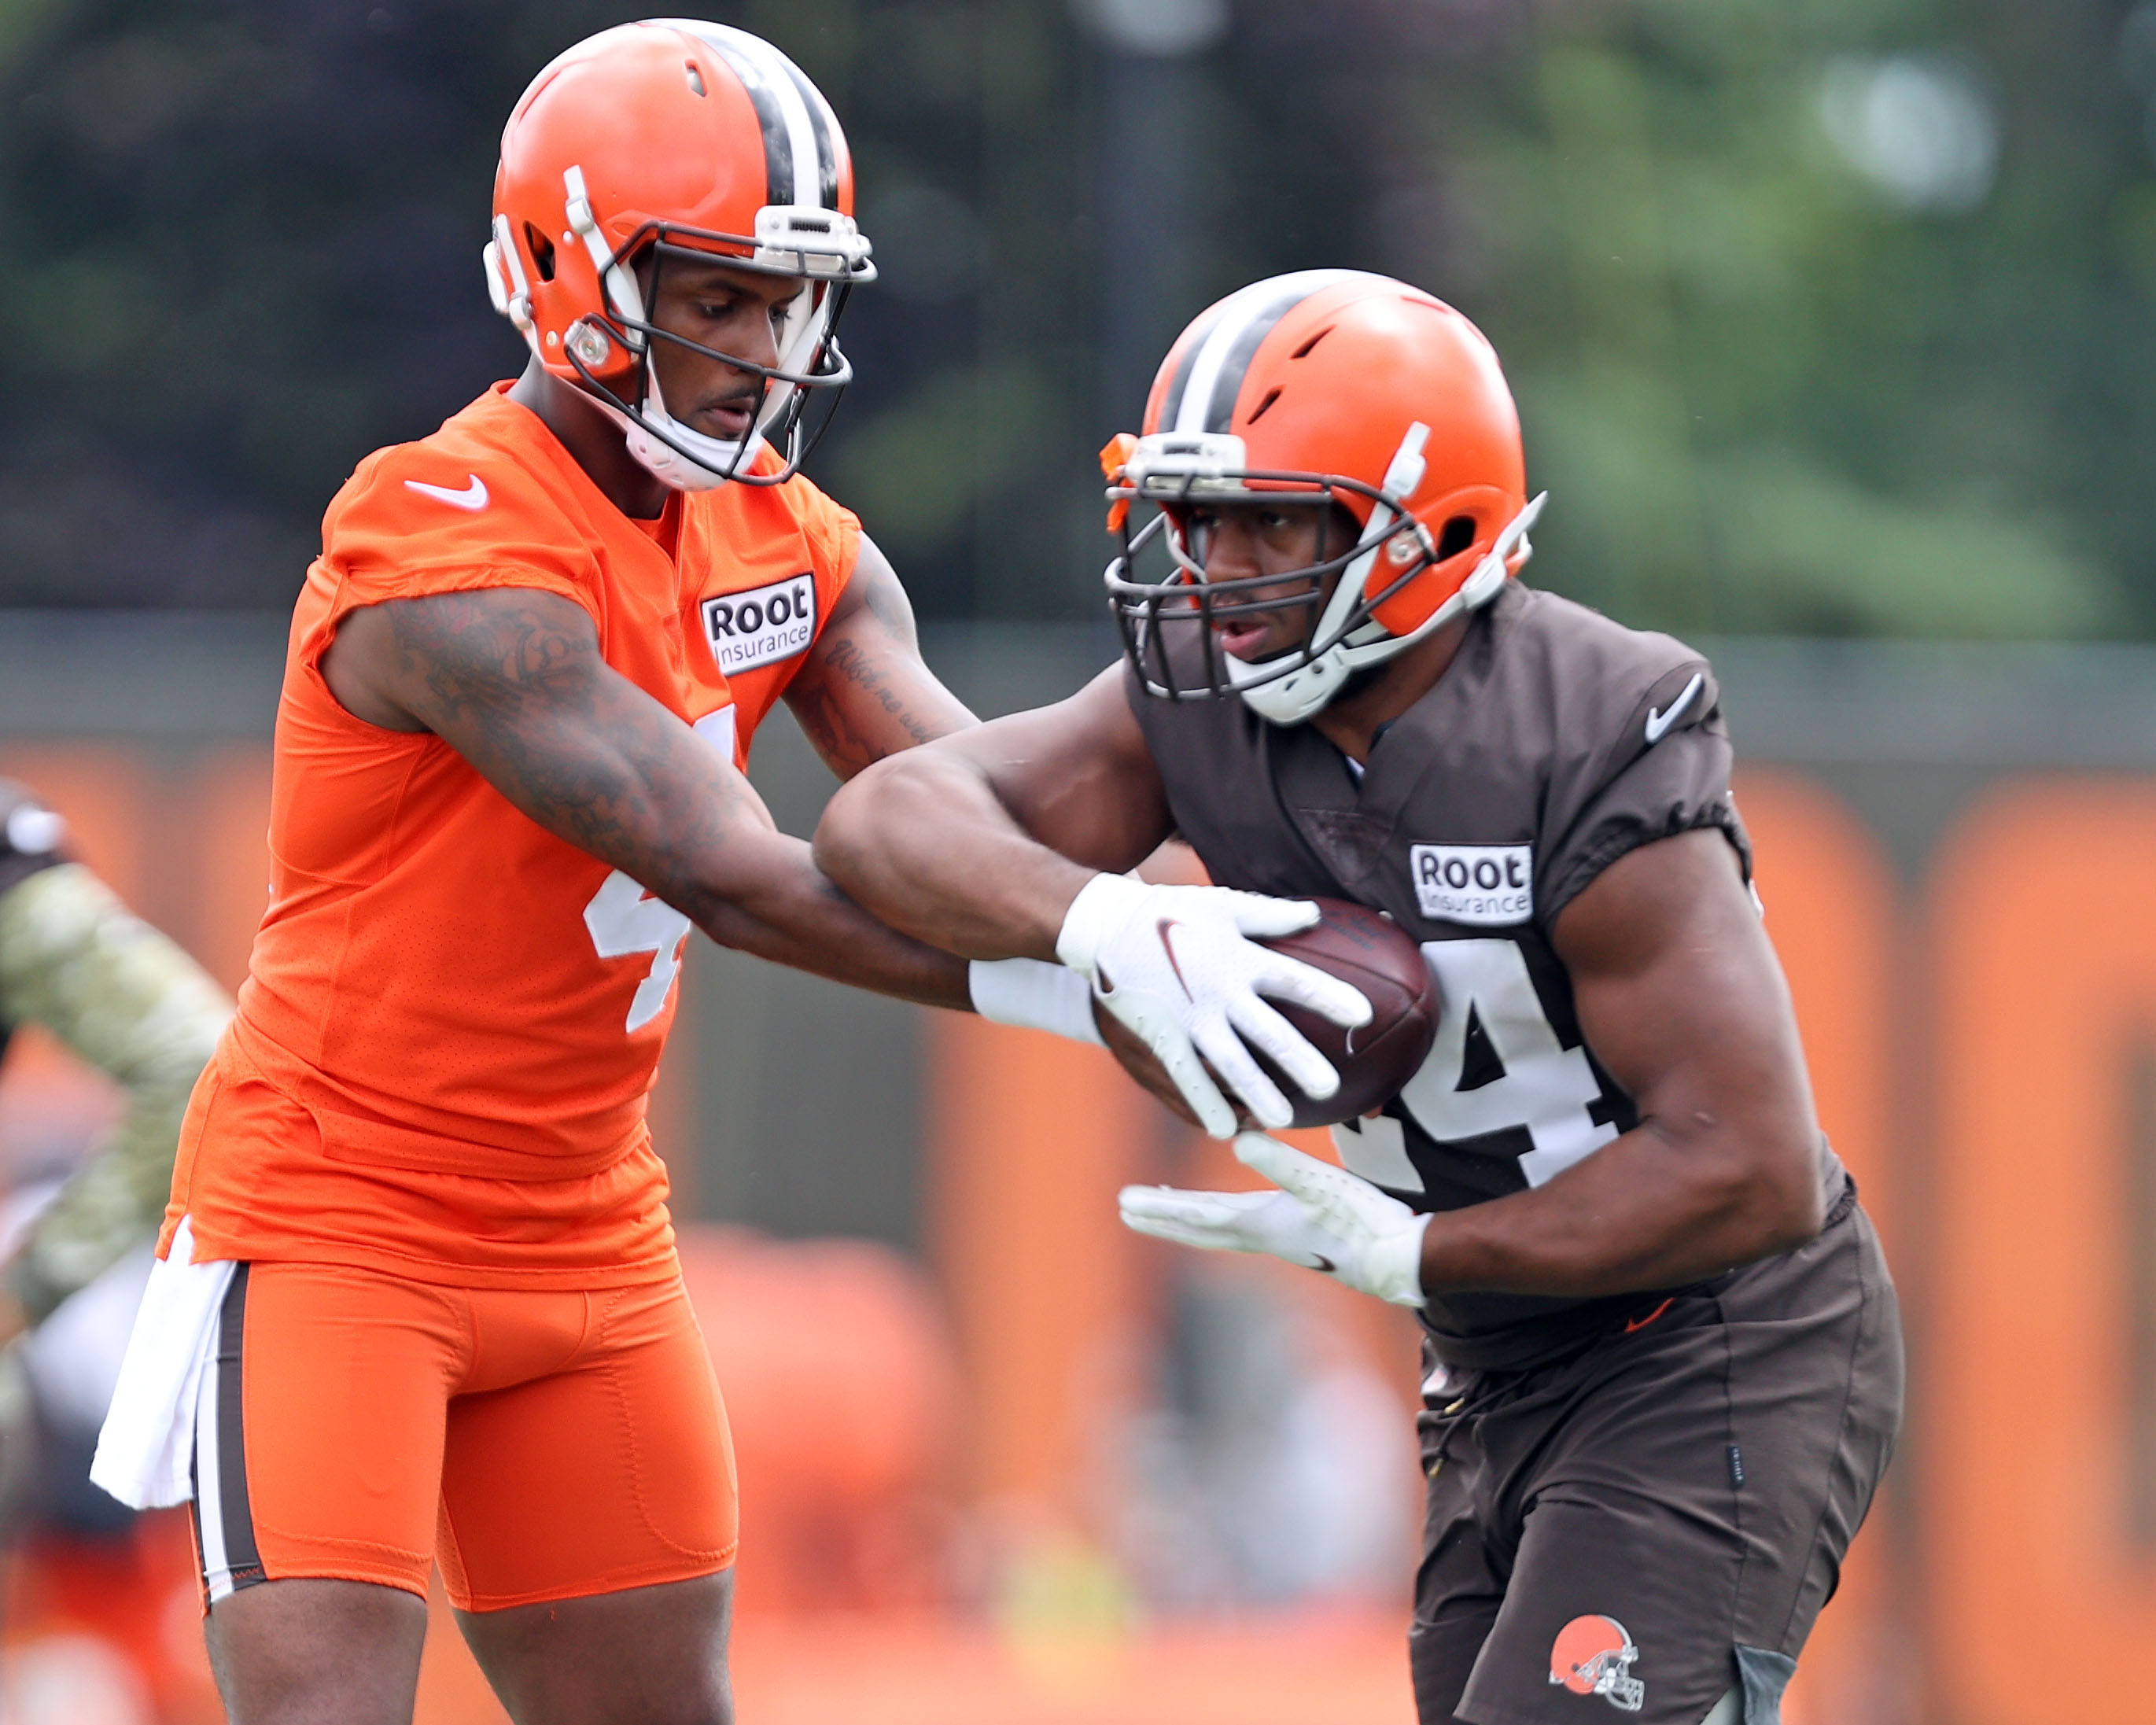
129,1001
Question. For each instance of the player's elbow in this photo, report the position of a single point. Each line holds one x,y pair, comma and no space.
1785,1206
847,843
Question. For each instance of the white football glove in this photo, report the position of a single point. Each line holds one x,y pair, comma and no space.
1177,965
1324,1218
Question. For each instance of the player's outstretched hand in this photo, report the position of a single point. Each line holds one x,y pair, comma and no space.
1181,967
1323,1218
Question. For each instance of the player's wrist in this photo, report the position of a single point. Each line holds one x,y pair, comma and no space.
1395,1263
1104,904
1035,995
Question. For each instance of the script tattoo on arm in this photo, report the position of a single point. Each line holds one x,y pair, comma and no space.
863,692
514,680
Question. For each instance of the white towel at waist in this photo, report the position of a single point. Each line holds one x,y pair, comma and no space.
145,1452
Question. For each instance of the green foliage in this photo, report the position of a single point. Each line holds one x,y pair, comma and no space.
1767,394
1769,385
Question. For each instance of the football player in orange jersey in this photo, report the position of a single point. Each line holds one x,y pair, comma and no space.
417,1298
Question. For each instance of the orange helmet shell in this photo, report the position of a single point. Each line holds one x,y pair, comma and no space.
1324,372
676,123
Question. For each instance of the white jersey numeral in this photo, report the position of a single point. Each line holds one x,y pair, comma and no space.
624,919
1545,1087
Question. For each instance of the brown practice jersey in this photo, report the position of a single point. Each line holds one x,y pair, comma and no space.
1555,743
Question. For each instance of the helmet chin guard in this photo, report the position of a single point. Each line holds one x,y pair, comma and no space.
1178,472
678,458
1313,678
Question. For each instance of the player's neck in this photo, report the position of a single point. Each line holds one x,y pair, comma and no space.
1351,722
594,441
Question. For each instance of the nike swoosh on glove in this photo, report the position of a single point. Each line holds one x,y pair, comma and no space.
1178,965
1323,1218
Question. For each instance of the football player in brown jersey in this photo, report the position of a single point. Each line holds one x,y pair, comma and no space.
1663,1354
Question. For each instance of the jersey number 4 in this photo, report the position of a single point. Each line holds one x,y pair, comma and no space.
624,920
1537,1084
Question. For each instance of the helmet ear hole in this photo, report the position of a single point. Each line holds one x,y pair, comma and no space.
1457,534
542,252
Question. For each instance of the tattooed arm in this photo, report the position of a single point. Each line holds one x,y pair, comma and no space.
863,692
512,679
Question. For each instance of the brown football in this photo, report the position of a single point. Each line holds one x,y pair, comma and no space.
1374,1061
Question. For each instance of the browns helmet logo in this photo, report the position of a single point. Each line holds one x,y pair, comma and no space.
1593,1655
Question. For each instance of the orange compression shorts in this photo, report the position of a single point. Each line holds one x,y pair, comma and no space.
541,1444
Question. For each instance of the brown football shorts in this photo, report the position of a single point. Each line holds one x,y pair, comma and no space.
1656,1518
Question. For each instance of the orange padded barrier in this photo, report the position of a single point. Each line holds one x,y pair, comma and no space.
1831,913
1030,1137
2044,961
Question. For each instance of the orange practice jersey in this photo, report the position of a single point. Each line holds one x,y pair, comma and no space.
452,1019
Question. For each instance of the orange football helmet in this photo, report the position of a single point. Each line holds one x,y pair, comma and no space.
1342,388
674,138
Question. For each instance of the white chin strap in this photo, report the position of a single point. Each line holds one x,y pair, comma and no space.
708,462
1304,691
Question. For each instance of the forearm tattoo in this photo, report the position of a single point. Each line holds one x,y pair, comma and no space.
514,680
852,697
830,707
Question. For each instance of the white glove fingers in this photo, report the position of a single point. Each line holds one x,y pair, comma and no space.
1264,1155
1290,980
1229,1057
1286,1047
1180,1060
1347,1205
1182,1234
1265,918
1287,1167
1381,1237
1196,1209
1212,1221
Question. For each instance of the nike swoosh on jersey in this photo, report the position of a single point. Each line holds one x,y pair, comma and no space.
1658,723
472,497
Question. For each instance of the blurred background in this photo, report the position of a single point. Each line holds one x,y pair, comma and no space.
1833,324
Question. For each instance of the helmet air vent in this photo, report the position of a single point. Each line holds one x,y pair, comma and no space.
1303,351
695,77
542,252
1258,413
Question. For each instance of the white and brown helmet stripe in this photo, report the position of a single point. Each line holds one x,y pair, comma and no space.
1203,389
802,141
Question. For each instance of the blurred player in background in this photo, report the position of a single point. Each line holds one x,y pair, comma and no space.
1663,1356
126,999
129,1002
418,1298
